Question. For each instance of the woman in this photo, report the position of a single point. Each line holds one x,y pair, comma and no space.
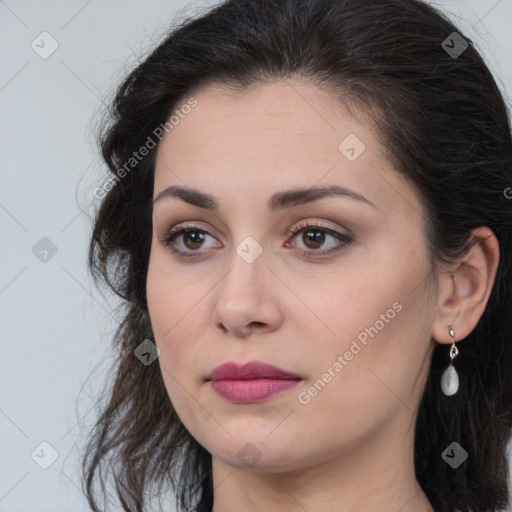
309,217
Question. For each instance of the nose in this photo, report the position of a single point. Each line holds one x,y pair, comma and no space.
247,298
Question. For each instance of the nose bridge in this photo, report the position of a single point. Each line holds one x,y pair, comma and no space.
246,268
243,296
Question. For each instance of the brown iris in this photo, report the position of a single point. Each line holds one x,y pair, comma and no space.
314,236
196,237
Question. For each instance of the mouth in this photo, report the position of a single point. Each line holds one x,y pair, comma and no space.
250,382
251,391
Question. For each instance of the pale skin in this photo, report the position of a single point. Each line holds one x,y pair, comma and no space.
351,447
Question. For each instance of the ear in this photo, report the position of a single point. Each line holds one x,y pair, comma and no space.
465,289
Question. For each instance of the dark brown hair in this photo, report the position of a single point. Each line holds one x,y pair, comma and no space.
445,127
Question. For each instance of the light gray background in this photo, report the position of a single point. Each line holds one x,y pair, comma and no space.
55,325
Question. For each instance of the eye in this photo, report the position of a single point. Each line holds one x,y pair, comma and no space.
315,235
192,239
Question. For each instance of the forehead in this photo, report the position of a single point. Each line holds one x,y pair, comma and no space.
277,113
273,136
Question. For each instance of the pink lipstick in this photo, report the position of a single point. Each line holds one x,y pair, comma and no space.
250,382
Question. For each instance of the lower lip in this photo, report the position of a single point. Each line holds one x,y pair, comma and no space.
251,391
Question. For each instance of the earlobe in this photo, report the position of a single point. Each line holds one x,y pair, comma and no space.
465,290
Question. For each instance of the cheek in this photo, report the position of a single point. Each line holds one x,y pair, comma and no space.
178,309
378,322
170,295
169,306
342,305
357,386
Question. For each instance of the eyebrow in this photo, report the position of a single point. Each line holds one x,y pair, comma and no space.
279,201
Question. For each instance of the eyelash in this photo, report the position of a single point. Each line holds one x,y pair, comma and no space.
173,233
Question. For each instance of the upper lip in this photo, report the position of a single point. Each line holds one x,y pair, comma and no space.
250,370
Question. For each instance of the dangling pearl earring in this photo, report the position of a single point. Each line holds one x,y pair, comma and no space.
450,377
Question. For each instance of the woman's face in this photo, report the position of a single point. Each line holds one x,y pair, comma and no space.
342,304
